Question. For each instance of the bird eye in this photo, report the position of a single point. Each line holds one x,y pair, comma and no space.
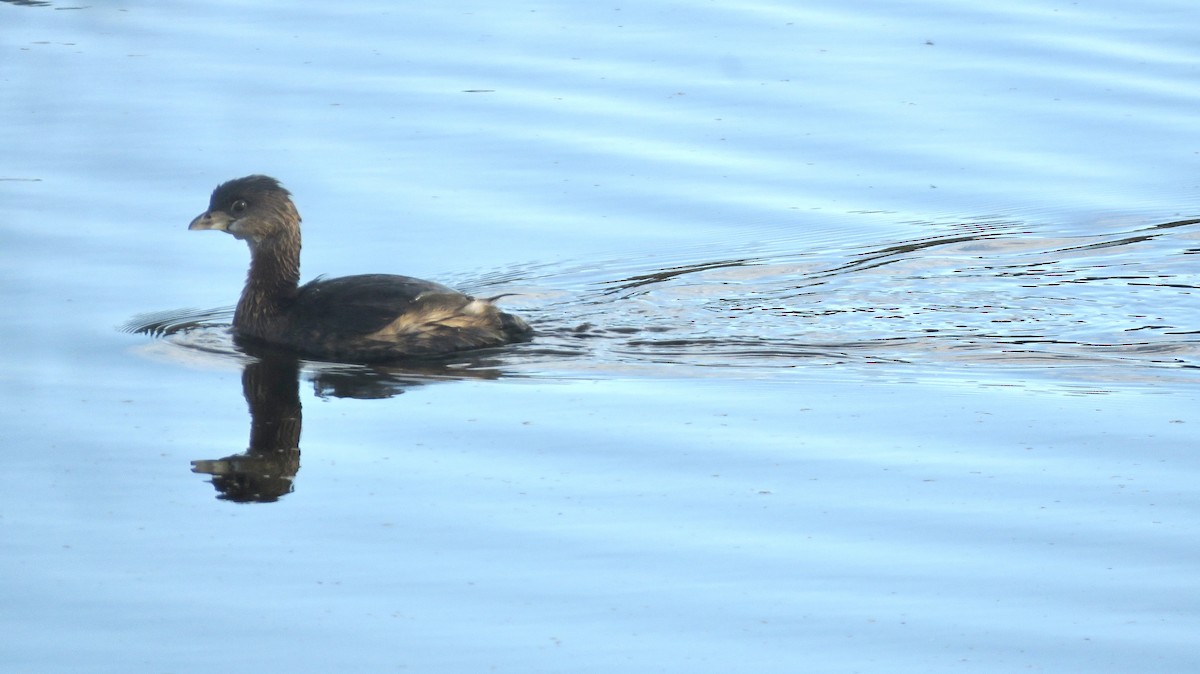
238,206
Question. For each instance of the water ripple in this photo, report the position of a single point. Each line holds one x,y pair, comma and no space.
999,293
981,292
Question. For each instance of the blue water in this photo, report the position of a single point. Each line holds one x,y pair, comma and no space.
868,339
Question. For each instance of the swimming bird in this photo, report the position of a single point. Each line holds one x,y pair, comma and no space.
363,318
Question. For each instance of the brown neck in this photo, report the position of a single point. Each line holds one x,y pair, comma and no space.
270,286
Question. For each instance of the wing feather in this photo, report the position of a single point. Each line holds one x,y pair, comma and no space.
357,306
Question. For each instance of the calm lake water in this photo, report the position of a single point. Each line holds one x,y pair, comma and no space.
868,338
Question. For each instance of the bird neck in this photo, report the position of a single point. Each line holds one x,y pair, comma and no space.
270,286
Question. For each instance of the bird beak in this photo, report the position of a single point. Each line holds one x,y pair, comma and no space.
210,220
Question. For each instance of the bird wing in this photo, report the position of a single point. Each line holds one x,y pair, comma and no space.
356,306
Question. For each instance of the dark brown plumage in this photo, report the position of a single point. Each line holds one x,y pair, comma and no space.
371,317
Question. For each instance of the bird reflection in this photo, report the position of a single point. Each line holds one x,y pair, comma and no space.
267,470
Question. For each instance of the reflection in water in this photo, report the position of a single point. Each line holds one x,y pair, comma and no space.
266,470
271,384
991,293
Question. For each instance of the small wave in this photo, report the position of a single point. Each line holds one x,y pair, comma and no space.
172,321
997,293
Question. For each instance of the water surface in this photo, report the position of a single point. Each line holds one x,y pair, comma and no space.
868,338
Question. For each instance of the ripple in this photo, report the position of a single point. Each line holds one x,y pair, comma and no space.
995,293
174,321
1000,293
